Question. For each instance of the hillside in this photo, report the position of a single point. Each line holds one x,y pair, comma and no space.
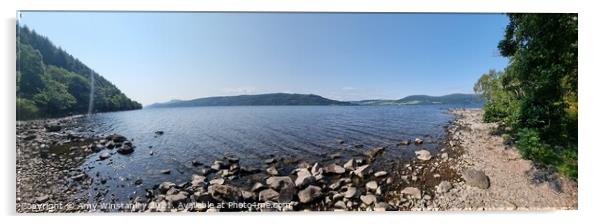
457,98
253,100
52,83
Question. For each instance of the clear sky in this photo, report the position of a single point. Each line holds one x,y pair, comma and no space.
156,57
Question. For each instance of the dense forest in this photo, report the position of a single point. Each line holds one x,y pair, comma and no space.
535,96
253,100
52,83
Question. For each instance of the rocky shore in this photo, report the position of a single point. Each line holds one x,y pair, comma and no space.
50,153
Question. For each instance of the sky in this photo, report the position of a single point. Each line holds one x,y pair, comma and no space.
157,57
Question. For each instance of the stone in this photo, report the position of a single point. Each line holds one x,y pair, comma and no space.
423,155
165,186
361,170
351,192
333,169
279,182
104,155
138,182
418,141
476,178
316,169
159,132
225,193
404,142
258,186
309,194
218,181
372,153
117,138
268,195
286,194
165,171
196,163
52,127
380,174
335,155
217,165
269,161
340,205
78,177
247,195
412,192
444,156
125,149
350,165
368,199
42,199
383,206
371,186
197,180
272,171
178,198
304,178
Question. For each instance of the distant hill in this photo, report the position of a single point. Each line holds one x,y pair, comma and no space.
253,100
457,98
52,83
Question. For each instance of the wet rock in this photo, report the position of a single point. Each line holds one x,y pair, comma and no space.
159,132
371,186
272,171
404,142
412,192
138,182
372,153
104,155
335,155
279,182
196,163
423,155
165,171
380,174
368,199
476,178
418,141
350,165
333,169
351,192
125,149
361,170
117,138
165,186
268,195
309,194
269,161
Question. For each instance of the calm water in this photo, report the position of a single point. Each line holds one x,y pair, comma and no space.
253,133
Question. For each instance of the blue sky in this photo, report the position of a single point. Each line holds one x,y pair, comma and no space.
155,57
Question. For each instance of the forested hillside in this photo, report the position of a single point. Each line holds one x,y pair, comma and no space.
52,83
535,97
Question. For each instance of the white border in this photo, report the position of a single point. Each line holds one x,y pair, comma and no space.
589,85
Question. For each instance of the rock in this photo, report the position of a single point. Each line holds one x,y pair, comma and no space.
232,159
165,186
418,141
272,171
361,170
444,156
371,186
476,178
258,186
341,141
165,171
159,132
333,168
42,199
380,174
268,195
248,196
351,192
78,177
218,165
316,169
335,155
104,155
117,138
383,206
279,182
197,180
309,194
218,181
178,198
350,165
340,205
269,161
368,199
404,142
125,149
304,178
286,194
52,127
138,182
225,193
372,153
412,192
443,187
196,163
423,155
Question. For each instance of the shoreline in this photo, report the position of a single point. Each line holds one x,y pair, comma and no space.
428,182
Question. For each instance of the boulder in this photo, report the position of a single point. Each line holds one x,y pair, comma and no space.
423,155
125,149
165,186
279,182
361,170
368,199
218,181
333,169
418,141
104,155
258,186
304,178
350,165
373,152
476,178
309,194
351,192
225,193
197,180
268,195
371,186
412,192
272,171
117,138
178,198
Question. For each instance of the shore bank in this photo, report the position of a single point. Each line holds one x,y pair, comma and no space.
471,170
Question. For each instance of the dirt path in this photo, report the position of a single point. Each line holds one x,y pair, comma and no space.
514,182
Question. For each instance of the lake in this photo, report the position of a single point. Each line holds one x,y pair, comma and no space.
253,133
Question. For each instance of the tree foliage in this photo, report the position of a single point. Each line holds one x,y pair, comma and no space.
52,83
536,95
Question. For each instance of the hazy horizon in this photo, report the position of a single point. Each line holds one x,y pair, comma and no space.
158,57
